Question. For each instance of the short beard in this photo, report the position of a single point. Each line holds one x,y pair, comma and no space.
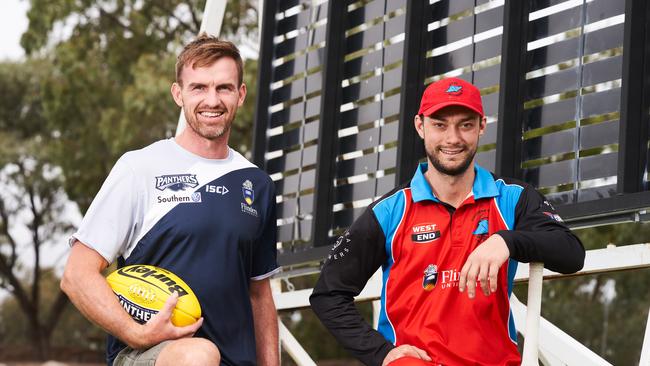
452,172
193,123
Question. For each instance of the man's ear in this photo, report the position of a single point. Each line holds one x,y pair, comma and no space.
242,94
482,126
418,122
176,94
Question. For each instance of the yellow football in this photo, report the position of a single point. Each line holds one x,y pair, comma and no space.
143,289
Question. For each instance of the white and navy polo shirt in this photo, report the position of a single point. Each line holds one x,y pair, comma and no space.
210,221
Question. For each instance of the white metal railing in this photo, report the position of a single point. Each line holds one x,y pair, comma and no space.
555,347
542,340
533,313
645,350
293,347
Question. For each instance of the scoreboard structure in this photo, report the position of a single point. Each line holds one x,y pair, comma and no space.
564,86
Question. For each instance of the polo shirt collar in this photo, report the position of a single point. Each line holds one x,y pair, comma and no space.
484,185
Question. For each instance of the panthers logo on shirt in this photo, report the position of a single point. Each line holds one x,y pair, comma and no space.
176,182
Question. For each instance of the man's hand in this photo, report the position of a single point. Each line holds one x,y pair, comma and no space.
405,350
484,264
160,328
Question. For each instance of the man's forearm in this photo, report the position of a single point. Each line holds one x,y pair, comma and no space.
266,324
341,317
90,293
559,250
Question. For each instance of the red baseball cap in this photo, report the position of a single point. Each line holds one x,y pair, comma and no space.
450,91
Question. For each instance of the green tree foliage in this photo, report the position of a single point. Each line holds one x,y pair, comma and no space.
95,84
21,111
31,200
108,91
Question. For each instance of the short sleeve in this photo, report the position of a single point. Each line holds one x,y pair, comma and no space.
110,221
265,252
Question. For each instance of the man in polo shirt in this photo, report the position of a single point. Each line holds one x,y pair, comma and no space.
196,207
452,231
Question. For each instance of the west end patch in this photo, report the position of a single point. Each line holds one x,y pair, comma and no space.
424,233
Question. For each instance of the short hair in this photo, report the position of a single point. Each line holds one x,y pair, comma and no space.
206,50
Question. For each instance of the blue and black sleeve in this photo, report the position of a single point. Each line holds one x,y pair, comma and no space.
540,235
354,258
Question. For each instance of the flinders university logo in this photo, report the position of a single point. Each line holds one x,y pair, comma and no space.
176,182
430,277
247,190
249,197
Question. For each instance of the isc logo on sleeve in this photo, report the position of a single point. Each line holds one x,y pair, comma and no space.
424,233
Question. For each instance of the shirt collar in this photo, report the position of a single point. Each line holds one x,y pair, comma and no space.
484,185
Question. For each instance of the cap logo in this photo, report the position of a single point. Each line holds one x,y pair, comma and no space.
454,89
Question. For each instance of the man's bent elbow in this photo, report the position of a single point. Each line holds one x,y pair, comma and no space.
67,282
573,263
64,285
316,302
579,263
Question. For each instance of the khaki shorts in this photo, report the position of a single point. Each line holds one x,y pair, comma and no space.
134,357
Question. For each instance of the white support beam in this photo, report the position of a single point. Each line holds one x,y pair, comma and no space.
292,299
550,360
213,17
293,347
554,344
260,16
376,309
609,259
533,313
300,298
645,349
211,23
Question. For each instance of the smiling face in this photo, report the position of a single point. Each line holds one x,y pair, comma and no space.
451,138
210,97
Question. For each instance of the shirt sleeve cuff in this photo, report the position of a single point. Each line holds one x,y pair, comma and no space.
266,275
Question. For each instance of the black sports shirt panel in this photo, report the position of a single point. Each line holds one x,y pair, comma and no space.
540,236
355,257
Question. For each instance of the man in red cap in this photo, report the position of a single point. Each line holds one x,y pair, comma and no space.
453,229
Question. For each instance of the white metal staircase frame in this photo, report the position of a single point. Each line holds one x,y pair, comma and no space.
543,341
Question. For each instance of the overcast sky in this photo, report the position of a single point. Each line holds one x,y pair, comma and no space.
13,22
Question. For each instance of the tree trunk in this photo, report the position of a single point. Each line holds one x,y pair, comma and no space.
40,342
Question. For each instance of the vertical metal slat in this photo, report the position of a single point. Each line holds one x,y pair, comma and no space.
264,73
329,121
633,128
513,55
410,148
